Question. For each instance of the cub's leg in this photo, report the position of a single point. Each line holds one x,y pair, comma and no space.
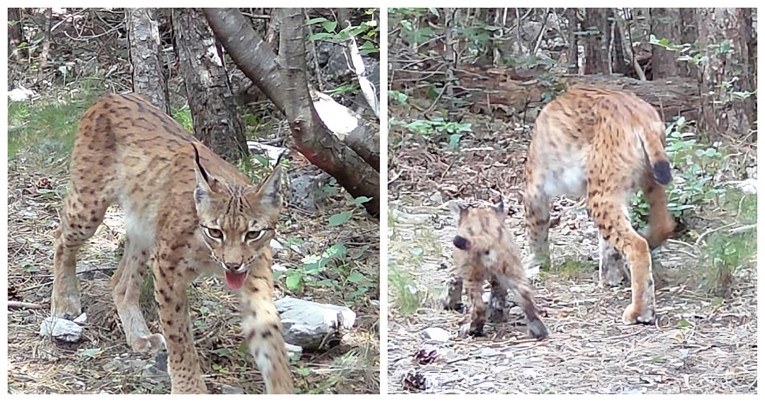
517,281
474,290
537,208
616,229
660,221
262,328
497,300
83,211
451,299
126,285
171,279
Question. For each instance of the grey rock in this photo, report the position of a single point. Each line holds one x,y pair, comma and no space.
228,389
311,325
61,329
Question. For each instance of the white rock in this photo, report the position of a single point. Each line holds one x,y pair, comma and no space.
293,351
489,352
436,334
61,329
309,325
81,319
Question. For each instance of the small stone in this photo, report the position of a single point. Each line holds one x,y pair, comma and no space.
279,267
61,329
436,334
81,319
293,351
577,289
230,390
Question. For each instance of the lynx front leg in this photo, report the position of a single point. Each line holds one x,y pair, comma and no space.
497,301
451,298
170,293
263,330
477,307
537,208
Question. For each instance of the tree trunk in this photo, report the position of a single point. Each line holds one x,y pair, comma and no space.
143,39
596,44
213,108
45,45
573,41
15,35
688,34
665,24
620,65
285,84
722,112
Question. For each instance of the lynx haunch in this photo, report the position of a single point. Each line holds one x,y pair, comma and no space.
604,144
187,212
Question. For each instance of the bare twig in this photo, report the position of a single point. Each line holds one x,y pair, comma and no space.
24,305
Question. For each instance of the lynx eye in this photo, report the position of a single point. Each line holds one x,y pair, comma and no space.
253,235
214,233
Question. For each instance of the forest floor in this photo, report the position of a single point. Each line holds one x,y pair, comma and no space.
40,137
701,343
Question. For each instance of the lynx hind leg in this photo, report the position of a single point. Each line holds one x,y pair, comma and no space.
616,229
451,298
537,209
474,327
497,301
80,218
613,270
126,291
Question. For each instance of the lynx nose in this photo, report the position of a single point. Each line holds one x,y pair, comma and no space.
233,266
460,242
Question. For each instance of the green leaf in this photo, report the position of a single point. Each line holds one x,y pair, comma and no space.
339,219
320,36
683,323
317,20
454,141
293,281
360,200
329,26
92,353
302,371
244,347
357,277
336,251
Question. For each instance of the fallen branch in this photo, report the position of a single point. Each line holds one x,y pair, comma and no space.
24,305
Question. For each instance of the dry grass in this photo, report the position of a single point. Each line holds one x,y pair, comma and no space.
700,344
103,363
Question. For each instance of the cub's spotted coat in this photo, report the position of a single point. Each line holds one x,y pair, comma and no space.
187,212
485,251
604,144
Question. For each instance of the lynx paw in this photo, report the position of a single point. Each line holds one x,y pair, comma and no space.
150,345
632,315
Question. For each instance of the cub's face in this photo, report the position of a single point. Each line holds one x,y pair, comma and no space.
479,228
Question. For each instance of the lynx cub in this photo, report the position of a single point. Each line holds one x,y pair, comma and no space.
604,144
187,212
485,251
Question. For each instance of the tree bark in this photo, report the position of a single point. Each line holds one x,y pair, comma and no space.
286,85
212,104
596,45
688,34
144,46
665,24
15,35
573,41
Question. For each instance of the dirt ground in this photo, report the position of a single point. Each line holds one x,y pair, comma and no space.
700,344
102,362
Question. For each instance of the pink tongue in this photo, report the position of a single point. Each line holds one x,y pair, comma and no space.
235,280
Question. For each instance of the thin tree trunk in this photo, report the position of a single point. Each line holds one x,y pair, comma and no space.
573,41
143,38
665,24
597,56
45,44
212,104
285,84
15,35
688,34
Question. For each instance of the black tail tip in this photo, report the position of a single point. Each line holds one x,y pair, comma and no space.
662,173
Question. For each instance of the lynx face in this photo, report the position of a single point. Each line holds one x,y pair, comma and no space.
237,222
479,228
